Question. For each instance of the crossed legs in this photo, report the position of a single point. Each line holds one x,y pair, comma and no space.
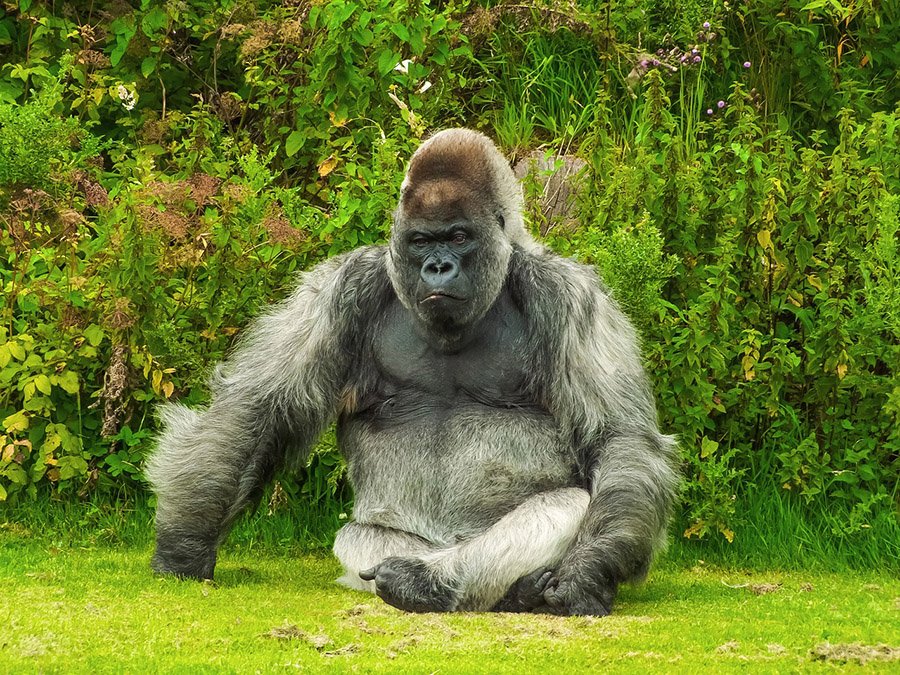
505,567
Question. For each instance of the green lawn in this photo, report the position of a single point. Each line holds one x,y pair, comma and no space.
97,608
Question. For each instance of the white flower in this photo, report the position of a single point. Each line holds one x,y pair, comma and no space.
425,87
126,96
403,66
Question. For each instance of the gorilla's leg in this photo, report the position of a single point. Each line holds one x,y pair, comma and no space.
476,574
360,547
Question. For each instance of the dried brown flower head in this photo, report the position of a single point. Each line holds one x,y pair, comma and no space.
203,188
93,58
280,229
262,33
95,194
122,314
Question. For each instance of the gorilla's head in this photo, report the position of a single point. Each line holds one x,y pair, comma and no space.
460,213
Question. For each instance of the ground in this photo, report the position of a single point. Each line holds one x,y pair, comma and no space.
96,608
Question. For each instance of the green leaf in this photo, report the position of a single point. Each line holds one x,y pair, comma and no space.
707,447
387,59
94,334
148,65
5,356
400,31
803,251
42,382
18,421
118,52
68,380
153,21
71,466
5,35
294,142
124,30
16,350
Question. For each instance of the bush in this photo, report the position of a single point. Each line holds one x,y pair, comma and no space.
165,171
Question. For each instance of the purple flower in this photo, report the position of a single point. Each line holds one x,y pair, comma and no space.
694,51
721,104
697,59
709,111
683,58
706,25
747,64
644,63
655,62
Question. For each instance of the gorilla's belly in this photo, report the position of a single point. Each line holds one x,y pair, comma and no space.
447,474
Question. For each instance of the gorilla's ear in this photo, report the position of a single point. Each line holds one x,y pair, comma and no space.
501,221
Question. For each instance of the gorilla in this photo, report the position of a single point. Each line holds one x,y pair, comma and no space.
498,426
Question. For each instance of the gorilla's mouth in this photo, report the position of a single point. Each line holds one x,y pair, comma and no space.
436,296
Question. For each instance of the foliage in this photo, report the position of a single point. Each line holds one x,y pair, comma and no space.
166,168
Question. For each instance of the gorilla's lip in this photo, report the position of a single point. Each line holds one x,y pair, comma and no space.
440,295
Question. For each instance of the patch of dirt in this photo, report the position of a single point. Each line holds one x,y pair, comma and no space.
402,646
729,647
854,653
763,589
807,588
359,610
756,589
775,648
34,646
289,631
363,626
344,651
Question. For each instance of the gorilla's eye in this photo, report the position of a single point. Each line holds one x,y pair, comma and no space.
418,240
459,238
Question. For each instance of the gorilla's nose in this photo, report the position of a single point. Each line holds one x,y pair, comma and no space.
436,273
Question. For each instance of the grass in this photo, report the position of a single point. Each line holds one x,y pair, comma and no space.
84,601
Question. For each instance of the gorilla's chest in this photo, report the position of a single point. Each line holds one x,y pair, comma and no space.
444,444
488,370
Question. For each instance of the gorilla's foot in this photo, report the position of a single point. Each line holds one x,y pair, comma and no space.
584,598
184,556
409,584
527,594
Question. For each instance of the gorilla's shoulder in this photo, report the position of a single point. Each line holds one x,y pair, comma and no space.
539,276
560,296
354,282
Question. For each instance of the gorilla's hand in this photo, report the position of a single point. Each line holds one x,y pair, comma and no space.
409,584
571,595
527,594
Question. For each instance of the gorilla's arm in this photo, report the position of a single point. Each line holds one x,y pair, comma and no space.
587,368
271,399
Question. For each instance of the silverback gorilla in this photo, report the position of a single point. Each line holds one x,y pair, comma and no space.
500,432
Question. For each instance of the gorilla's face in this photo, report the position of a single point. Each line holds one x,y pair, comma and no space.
448,271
